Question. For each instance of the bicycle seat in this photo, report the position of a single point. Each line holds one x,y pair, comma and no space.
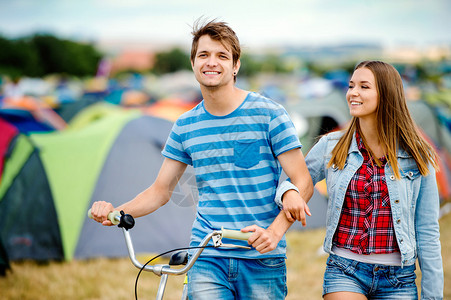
179,258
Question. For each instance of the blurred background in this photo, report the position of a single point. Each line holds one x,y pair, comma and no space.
89,91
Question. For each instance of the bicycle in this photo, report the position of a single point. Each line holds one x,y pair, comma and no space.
126,222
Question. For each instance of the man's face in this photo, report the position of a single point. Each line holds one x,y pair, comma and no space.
213,64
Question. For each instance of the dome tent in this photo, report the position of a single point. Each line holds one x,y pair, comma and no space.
28,228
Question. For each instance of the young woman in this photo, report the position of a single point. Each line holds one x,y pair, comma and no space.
383,199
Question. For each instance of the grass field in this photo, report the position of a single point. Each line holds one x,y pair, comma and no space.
115,278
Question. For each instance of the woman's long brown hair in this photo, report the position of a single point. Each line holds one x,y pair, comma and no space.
395,127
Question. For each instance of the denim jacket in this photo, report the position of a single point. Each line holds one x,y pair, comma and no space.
414,202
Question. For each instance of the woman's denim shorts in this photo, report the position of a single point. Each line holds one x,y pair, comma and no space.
372,280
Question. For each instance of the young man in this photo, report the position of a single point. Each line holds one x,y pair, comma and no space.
238,143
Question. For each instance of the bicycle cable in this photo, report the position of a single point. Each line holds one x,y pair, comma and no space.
159,255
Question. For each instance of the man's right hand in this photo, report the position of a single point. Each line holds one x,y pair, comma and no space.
100,211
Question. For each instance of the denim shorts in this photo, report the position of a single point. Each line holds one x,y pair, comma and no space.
372,280
231,278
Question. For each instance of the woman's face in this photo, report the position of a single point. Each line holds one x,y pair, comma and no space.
362,94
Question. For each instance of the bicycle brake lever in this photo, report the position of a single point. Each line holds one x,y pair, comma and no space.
217,242
234,246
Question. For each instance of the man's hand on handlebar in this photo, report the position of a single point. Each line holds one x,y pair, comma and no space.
100,211
263,240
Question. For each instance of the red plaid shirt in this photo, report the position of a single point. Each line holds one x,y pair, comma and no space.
366,224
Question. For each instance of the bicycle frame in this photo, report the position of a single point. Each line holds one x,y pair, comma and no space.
164,270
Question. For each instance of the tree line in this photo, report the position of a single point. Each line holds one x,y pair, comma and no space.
43,54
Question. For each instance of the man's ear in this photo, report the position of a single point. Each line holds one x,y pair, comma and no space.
237,66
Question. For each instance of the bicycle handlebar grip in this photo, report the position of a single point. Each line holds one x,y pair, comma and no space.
235,234
111,216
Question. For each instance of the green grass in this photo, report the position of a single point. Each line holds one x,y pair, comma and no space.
115,278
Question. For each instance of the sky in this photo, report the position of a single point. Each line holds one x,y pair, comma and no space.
258,23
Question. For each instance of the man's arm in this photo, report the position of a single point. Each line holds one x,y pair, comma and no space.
293,164
149,200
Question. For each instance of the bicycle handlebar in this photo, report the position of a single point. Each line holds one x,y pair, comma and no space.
235,234
114,216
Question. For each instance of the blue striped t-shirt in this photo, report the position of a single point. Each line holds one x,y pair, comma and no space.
234,160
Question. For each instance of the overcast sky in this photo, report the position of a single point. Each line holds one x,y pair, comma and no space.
257,22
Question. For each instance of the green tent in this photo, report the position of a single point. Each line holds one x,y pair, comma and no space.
28,226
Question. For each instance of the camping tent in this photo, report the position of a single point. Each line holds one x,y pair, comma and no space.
39,109
438,135
169,108
9,132
28,226
324,113
24,120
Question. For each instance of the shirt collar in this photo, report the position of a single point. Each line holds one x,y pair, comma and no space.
359,141
401,153
362,148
